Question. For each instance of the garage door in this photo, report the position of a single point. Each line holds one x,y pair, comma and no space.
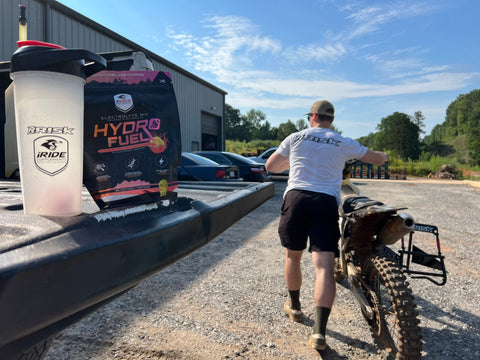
210,132
210,124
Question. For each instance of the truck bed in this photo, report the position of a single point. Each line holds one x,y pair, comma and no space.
55,270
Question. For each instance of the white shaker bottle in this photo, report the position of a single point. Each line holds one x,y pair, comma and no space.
48,83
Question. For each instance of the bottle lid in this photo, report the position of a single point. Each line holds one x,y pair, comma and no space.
41,56
38,43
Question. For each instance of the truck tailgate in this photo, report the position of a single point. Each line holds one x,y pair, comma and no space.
54,270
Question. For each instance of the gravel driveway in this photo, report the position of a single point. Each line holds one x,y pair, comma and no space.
225,300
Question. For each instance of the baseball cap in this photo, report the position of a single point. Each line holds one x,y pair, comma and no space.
322,107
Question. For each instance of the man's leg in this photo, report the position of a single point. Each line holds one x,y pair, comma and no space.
293,271
325,287
293,280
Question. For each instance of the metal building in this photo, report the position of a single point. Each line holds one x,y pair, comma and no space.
201,105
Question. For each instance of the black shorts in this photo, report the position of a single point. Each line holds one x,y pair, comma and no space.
307,214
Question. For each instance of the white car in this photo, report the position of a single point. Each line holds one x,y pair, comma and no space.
263,157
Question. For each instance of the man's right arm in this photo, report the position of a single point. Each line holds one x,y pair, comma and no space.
374,157
277,163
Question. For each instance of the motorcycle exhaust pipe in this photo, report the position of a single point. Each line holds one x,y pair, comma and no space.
395,228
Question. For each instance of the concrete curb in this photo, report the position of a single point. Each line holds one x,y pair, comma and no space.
472,183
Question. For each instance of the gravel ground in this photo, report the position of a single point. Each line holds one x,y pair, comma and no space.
225,300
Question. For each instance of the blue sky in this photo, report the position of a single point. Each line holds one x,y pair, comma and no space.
369,58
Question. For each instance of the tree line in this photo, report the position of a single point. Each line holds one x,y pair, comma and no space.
399,133
255,126
462,120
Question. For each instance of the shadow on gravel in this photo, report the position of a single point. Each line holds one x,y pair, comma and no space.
331,354
455,335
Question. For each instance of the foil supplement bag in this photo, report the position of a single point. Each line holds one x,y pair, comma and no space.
132,137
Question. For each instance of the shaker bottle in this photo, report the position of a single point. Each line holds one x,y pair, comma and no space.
48,84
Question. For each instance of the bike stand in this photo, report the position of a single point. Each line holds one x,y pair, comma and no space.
415,255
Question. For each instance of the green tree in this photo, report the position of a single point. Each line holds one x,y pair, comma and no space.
248,127
450,124
463,118
265,132
334,128
397,133
255,118
436,136
472,120
368,141
285,129
473,143
301,124
235,126
258,126
419,120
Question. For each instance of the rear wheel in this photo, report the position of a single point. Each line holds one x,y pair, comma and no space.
394,327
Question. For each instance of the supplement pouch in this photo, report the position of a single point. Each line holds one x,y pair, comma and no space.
132,141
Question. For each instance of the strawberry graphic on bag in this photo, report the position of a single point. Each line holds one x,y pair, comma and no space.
158,145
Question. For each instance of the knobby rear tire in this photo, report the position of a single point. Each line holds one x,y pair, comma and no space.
395,326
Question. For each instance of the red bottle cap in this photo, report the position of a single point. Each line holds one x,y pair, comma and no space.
38,43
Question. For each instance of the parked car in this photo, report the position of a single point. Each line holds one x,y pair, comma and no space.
249,169
263,157
196,167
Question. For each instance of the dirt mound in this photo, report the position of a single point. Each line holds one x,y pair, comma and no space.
445,172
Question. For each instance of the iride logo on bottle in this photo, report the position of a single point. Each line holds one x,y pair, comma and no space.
51,154
123,102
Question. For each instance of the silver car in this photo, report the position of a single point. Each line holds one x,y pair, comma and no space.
263,157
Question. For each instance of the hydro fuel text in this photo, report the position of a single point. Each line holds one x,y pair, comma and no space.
127,132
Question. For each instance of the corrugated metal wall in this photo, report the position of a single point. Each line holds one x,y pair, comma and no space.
9,13
71,33
52,22
193,98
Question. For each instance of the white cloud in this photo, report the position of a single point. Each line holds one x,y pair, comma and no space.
404,63
270,83
370,19
234,45
314,52
231,54
243,33
294,93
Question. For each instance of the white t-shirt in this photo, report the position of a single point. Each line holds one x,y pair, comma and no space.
317,157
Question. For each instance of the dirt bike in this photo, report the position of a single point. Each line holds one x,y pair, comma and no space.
376,273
